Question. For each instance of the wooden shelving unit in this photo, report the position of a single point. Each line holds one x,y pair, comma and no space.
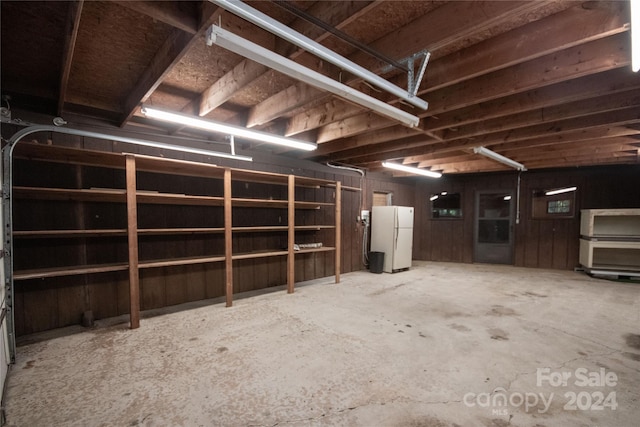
134,197
610,241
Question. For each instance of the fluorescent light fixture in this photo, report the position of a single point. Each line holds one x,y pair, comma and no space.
635,35
506,198
444,193
182,149
560,191
227,129
499,158
257,53
411,169
275,27
434,197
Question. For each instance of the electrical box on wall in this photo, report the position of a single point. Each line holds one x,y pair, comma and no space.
364,217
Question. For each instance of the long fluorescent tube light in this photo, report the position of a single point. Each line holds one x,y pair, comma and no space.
560,191
411,169
182,149
635,35
257,53
224,128
275,27
434,197
499,158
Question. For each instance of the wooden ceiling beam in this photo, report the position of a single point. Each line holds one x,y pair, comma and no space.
535,40
547,141
70,36
178,14
591,86
525,135
595,147
586,160
381,151
570,110
462,20
475,165
170,53
590,132
364,139
247,71
453,157
593,57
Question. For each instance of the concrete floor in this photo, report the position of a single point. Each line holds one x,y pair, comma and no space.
442,344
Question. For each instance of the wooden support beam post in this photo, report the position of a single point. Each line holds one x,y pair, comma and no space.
132,234
228,243
291,221
338,226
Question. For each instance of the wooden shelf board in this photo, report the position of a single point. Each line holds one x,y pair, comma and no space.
263,228
87,195
258,203
191,230
69,233
177,167
265,254
179,261
76,156
178,199
311,250
314,227
42,273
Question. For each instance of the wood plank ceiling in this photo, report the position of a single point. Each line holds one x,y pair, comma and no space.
546,83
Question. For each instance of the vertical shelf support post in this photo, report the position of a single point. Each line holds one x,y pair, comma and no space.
291,221
132,234
228,242
338,226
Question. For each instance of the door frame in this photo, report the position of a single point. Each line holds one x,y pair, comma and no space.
476,228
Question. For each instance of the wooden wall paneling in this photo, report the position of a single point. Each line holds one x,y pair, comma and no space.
103,295
311,217
18,304
71,298
351,199
561,238
152,288
215,280
194,245
40,305
545,244
175,286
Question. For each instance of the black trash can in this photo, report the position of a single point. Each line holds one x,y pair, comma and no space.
376,262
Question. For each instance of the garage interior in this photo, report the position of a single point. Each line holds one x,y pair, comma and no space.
188,209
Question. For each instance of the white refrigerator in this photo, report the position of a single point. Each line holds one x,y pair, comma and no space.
392,233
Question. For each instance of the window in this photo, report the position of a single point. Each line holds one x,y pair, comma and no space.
558,206
554,203
446,205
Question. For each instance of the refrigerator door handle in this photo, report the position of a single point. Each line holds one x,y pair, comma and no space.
397,231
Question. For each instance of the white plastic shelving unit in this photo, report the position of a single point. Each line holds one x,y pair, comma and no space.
610,241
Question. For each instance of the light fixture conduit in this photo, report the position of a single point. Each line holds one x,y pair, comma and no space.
275,27
499,158
234,43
